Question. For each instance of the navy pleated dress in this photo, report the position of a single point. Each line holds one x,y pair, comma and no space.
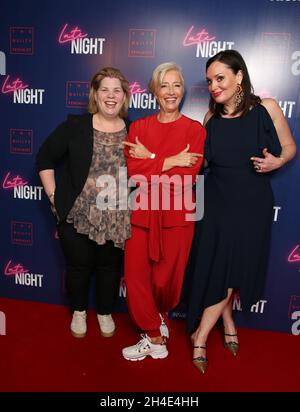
231,243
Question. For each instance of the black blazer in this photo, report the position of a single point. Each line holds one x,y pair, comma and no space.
71,144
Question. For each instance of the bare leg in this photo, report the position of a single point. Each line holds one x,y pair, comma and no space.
208,321
229,326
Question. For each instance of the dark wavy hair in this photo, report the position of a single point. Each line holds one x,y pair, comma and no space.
235,62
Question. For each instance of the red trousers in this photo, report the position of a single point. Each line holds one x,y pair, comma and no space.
154,287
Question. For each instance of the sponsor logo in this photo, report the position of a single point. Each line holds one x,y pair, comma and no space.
206,44
21,40
80,43
21,93
77,94
21,233
21,141
141,43
140,99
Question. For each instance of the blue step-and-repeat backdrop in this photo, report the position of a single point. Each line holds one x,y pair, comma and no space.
48,53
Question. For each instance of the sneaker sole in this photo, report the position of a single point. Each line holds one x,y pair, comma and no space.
78,335
153,355
107,334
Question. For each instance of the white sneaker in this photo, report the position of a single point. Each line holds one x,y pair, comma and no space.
107,325
145,348
78,324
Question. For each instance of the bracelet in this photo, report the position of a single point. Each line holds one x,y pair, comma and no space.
50,196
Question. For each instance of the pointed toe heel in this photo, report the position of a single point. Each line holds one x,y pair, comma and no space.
232,346
201,362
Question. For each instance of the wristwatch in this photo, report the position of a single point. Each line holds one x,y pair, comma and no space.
152,156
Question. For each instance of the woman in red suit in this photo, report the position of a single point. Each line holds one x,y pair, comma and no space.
164,147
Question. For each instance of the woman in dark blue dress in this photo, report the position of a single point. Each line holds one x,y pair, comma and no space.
246,139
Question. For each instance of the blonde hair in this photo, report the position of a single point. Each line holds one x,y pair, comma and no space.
159,73
95,84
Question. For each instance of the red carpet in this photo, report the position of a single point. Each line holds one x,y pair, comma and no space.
38,353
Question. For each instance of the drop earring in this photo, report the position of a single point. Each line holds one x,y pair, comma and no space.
239,95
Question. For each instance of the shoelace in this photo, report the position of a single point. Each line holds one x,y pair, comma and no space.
141,344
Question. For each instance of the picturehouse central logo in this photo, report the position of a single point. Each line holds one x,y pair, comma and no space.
79,41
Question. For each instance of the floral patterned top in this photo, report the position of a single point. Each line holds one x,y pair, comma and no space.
96,211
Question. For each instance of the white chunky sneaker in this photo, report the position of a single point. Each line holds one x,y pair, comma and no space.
145,348
78,324
107,325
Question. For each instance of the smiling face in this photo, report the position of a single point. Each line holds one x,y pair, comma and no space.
222,83
110,97
170,92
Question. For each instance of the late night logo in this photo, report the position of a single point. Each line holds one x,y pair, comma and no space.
22,276
20,187
21,141
79,41
21,92
206,44
141,43
21,40
140,98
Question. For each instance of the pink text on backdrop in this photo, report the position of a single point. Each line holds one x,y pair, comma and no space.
14,182
13,269
15,85
293,256
74,34
200,37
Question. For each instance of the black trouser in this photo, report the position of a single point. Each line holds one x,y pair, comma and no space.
83,257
